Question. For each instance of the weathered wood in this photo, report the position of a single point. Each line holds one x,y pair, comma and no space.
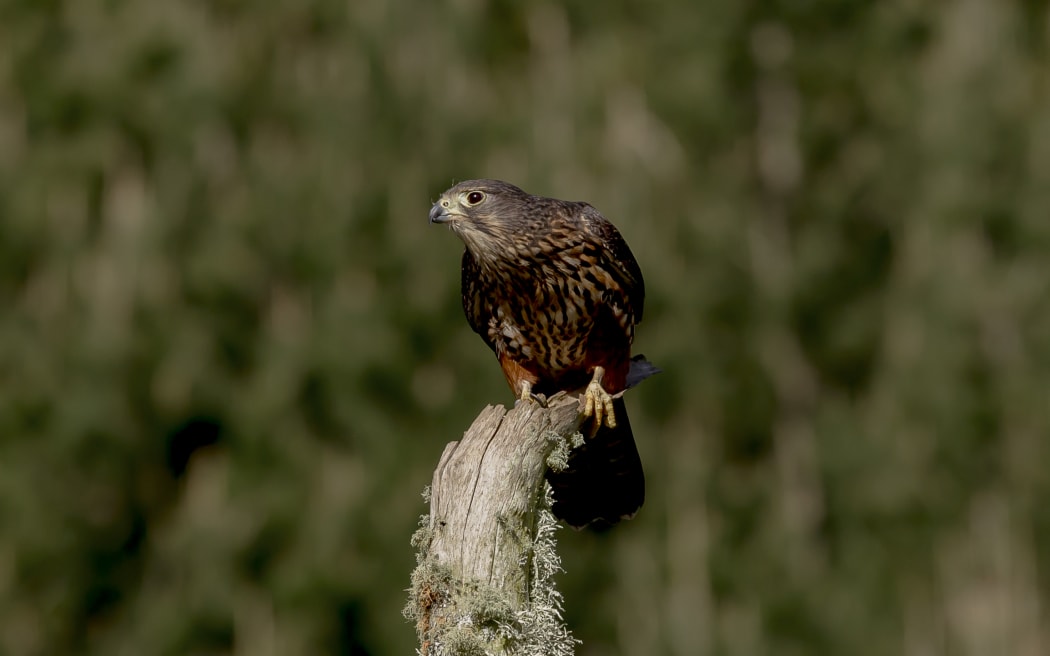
486,551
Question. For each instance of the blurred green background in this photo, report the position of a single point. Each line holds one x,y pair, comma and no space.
232,350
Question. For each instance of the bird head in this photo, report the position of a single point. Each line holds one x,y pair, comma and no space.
484,213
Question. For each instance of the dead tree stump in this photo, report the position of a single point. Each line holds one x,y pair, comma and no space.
487,555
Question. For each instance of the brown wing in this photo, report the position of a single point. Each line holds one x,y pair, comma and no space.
619,259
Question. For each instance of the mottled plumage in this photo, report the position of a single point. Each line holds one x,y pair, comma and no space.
555,292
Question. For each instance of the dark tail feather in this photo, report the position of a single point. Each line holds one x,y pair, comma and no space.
640,370
604,482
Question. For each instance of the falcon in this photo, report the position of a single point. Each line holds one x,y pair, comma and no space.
554,291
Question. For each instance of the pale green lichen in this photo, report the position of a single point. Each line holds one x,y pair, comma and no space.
483,620
558,458
540,627
422,537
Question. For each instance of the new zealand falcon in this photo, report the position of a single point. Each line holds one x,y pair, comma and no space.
555,292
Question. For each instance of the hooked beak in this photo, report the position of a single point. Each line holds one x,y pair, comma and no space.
439,214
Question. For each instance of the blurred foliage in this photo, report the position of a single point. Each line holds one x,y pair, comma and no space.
232,349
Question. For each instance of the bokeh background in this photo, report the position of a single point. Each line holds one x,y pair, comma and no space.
231,348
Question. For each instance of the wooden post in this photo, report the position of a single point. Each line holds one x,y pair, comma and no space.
487,555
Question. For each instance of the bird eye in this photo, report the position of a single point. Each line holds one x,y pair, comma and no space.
475,197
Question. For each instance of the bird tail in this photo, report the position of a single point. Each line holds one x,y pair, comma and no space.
603,482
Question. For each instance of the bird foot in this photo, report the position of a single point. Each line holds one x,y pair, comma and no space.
597,402
557,395
541,399
528,395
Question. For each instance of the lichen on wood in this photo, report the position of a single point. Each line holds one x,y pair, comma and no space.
487,557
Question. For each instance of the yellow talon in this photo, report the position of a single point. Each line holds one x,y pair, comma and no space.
597,402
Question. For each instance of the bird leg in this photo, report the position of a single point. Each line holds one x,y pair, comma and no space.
526,390
597,402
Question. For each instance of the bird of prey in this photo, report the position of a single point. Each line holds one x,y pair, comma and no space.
555,292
